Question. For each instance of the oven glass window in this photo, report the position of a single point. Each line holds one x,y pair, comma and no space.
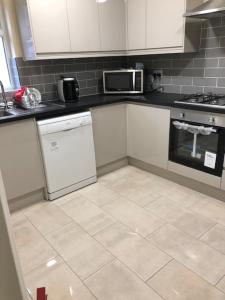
200,151
119,81
204,143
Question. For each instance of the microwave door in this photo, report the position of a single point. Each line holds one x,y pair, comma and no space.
123,81
119,82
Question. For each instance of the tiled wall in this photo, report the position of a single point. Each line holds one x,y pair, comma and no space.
193,72
44,74
203,71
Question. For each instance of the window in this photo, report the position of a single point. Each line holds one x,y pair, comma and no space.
4,71
5,75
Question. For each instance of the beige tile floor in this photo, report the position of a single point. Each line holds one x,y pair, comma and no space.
131,236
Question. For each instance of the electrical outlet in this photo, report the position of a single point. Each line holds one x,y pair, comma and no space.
158,72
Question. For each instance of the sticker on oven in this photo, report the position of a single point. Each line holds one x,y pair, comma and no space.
54,146
210,160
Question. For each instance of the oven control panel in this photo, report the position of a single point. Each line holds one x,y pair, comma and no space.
200,117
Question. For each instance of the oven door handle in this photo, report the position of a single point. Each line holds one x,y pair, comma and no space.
194,129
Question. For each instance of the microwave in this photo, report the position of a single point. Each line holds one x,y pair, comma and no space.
124,81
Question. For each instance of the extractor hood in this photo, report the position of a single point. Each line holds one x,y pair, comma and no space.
207,10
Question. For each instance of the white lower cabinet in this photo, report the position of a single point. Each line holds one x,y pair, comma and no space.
223,181
109,130
20,158
148,134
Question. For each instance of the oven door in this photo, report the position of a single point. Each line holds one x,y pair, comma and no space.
197,146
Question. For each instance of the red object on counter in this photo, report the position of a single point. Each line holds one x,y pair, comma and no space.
41,294
19,94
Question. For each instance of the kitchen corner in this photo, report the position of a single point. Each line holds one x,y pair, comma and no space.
112,127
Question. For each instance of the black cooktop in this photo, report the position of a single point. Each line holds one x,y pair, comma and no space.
203,99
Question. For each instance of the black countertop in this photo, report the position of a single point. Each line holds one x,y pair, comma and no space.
54,109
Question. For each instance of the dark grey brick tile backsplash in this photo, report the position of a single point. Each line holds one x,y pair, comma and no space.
43,74
203,71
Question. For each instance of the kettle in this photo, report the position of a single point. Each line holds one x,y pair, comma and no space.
68,89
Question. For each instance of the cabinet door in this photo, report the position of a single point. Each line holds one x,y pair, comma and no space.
20,158
50,25
109,130
223,181
165,23
148,134
84,25
112,25
136,24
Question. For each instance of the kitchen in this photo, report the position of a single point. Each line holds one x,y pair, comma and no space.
126,137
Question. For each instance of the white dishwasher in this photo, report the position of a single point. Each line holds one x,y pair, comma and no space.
68,153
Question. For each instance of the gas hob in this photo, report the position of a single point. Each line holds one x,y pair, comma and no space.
207,100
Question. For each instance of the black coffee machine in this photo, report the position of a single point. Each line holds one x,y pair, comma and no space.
68,89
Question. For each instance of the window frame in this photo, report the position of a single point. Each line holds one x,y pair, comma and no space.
6,43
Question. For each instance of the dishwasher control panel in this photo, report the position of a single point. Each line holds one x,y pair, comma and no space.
64,123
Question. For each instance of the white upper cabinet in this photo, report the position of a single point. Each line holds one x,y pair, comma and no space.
165,23
84,25
79,28
112,25
136,21
49,24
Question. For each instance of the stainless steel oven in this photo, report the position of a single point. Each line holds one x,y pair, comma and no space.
197,140
124,81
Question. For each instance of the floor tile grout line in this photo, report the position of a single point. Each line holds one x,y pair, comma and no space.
66,263
116,258
50,204
45,237
170,261
41,263
97,271
117,220
208,230
213,248
89,201
164,220
171,258
103,247
92,237
145,237
160,195
199,276
140,236
196,239
60,255
180,262
219,282
143,281
72,220
130,270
